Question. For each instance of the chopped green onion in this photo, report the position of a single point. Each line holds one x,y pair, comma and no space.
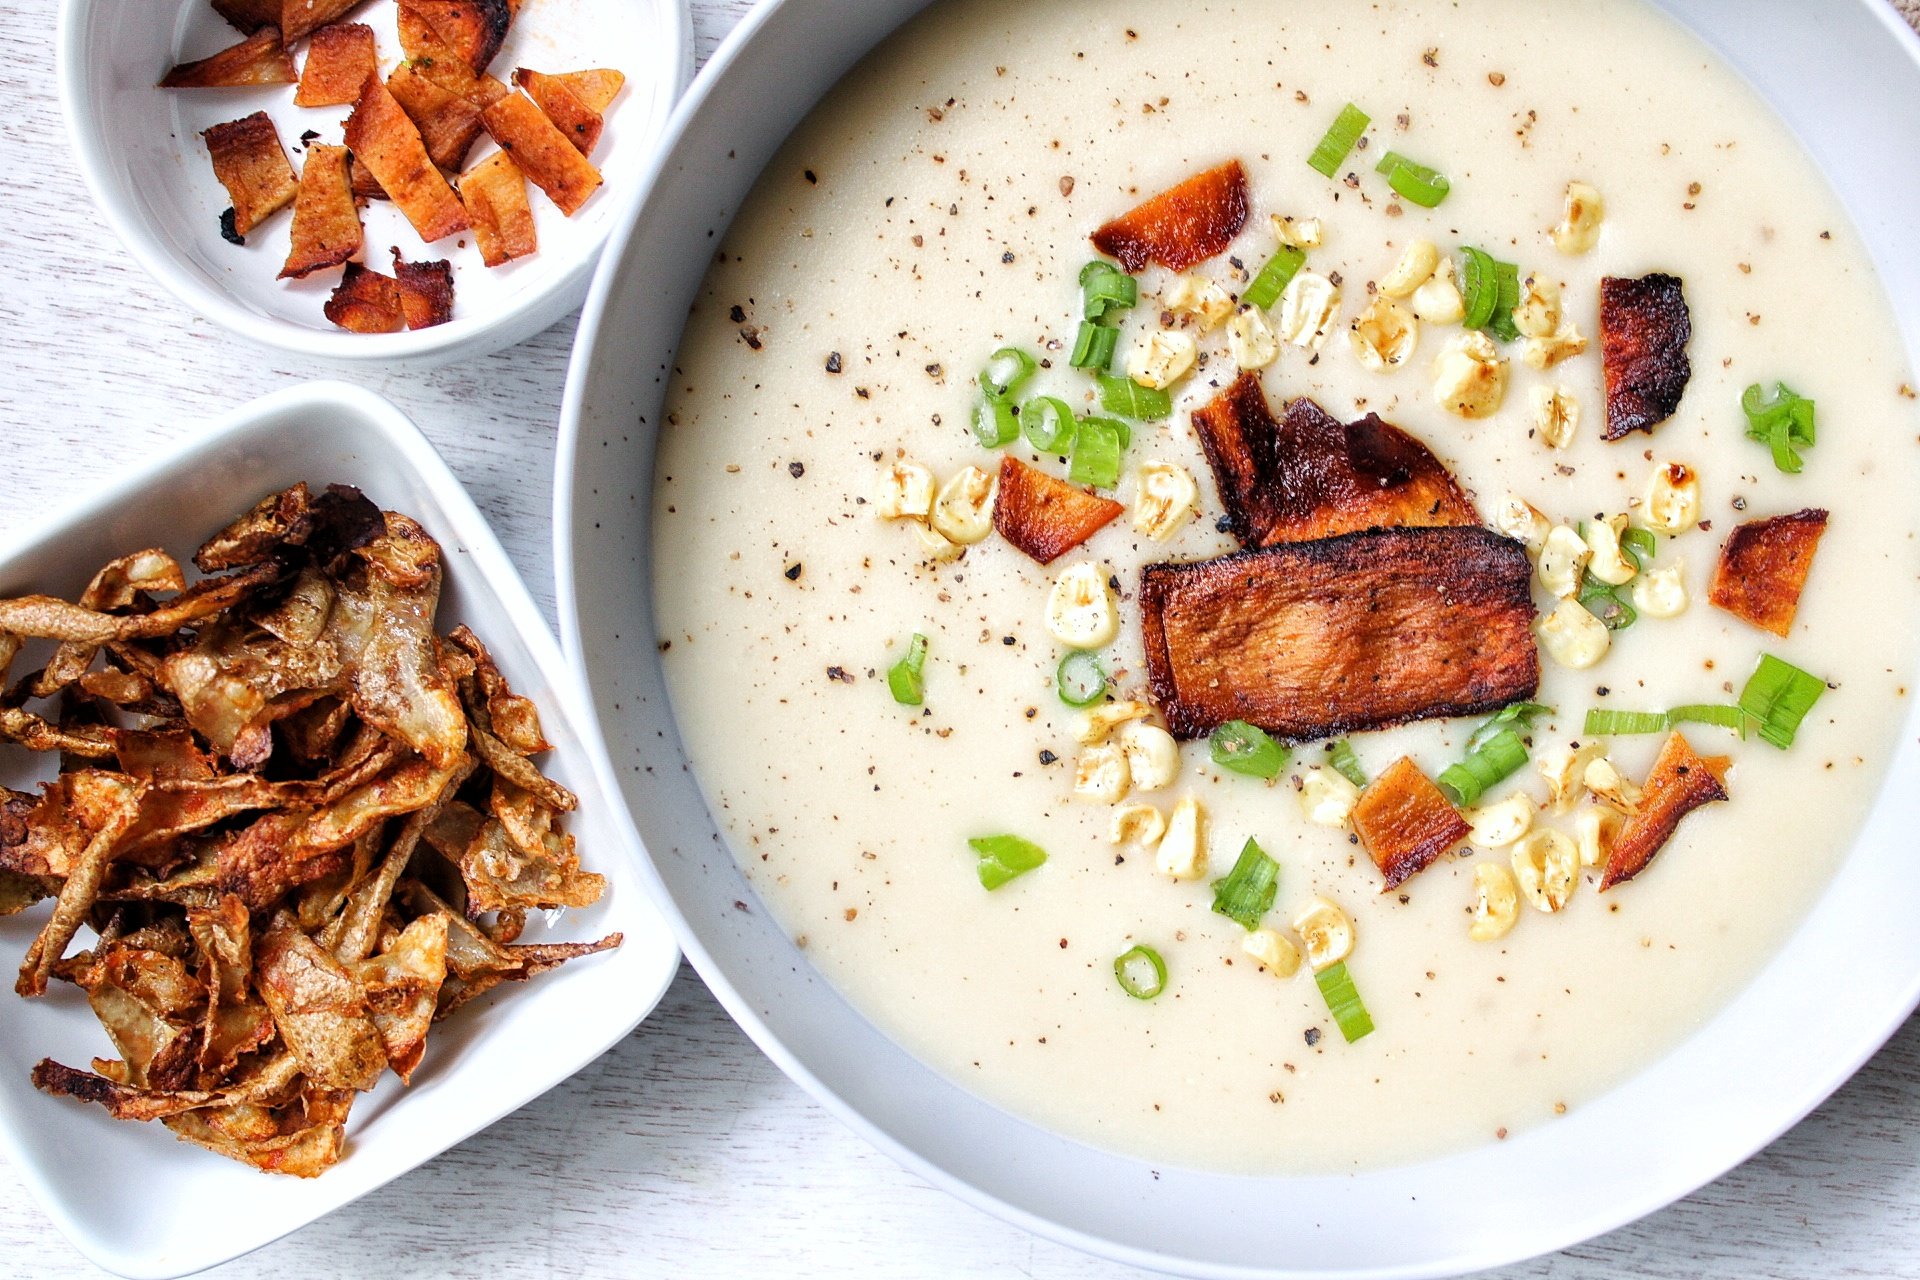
1006,369
1104,287
1048,424
1502,755
1246,748
1639,546
1601,722
907,678
1604,603
1520,713
1272,280
1125,396
1727,717
1782,421
1081,681
1141,972
1002,858
994,424
1093,346
1414,182
1332,150
1507,275
1096,453
1343,1001
1247,892
1347,764
1779,695
1480,285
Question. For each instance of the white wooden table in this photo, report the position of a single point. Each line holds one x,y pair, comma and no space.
683,1152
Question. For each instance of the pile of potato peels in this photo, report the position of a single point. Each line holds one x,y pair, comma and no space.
303,825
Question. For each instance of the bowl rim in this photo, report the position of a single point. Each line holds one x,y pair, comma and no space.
1666,1186
460,338
484,562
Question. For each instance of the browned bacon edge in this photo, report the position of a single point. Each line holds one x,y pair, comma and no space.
1184,224
1763,567
1644,330
1405,822
1680,782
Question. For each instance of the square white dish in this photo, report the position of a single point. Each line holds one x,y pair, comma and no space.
139,148
132,1197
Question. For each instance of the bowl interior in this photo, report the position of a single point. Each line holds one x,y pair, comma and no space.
1850,87
131,1196
147,167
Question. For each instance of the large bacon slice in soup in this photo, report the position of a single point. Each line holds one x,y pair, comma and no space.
1644,330
1763,567
1362,631
1682,780
1043,516
1309,476
1405,823
1182,225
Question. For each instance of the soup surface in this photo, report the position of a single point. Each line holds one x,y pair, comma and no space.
936,206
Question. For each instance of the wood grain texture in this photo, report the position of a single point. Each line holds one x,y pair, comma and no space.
683,1152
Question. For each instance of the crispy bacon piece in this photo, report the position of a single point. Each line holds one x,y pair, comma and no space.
386,141
1644,330
1043,516
1405,822
326,220
448,123
495,193
1361,631
249,15
366,302
1681,781
426,291
1764,565
1184,224
259,59
1311,477
340,57
251,164
543,153
433,58
473,29
574,118
301,18
596,87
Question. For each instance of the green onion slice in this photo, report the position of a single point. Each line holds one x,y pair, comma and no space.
1347,764
1727,717
1520,713
1003,858
1093,346
1603,722
1480,284
1141,972
1048,424
1343,1001
1006,369
1095,461
1124,396
1604,603
907,677
1783,421
1507,275
1104,287
1081,681
1500,757
1247,892
1332,150
1416,183
1272,280
994,425
1246,748
1639,546
1779,695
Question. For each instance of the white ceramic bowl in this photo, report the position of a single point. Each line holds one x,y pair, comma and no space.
139,149
1846,77
132,1197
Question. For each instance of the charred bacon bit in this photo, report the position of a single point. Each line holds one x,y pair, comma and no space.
386,141
1308,640
426,291
249,15
543,153
448,123
326,219
596,87
1405,822
432,56
339,60
1763,567
301,18
1043,516
574,118
251,164
1644,330
1681,782
259,59
1182,225
1312,477
473,29
495,194
366,302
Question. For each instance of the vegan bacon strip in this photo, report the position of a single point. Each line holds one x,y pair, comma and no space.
1764,566
301,18
473,29
426,291
448,123
1405,822
326,220
339,60
1681,781
386,141
596,87
366,302
1644,330
252,165
1309,476
1184,224
495,194
574,118
249,15
543,153
259,59
430,55
1309,640
1044,516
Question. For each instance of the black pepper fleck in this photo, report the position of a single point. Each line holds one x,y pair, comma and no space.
793,573
833,362
1047,757
1313,1036
796,469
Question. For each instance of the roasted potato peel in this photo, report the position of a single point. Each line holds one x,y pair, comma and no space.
304,825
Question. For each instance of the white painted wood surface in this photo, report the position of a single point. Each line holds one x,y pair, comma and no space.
683,1152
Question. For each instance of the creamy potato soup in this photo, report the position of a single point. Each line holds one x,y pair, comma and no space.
936,208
